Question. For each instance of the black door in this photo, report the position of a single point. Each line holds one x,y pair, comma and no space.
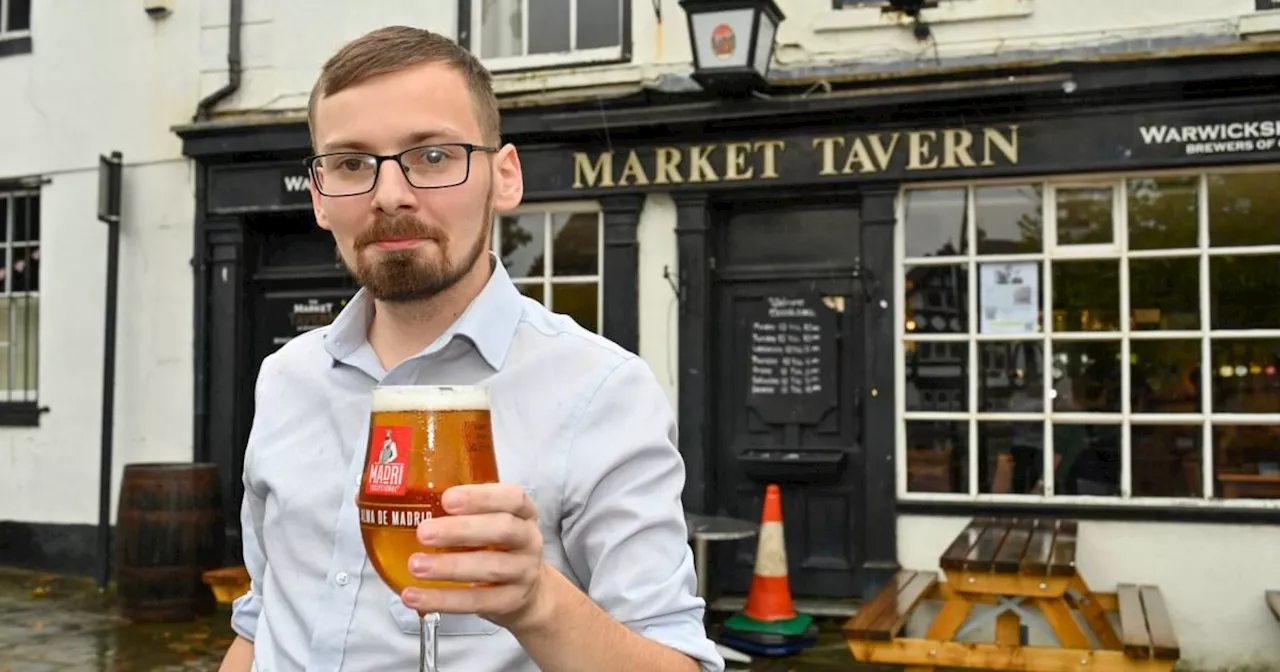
787,338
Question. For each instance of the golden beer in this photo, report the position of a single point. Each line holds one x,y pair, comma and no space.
423,440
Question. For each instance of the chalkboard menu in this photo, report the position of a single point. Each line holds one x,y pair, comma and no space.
792,367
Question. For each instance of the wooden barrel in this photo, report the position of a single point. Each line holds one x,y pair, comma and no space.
169,531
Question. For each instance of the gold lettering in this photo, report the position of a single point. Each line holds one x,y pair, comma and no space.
1007,145
919,154
633,172
735,161
955,149
701,170
599,174
858,157
768,147
883,154
828,153
668,170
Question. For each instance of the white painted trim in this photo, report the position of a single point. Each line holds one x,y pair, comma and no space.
948,11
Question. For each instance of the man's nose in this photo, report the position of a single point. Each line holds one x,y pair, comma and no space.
393,191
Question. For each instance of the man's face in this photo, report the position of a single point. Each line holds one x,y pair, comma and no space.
401,242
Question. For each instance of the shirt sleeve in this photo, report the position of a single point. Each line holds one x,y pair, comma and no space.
247,608
623,526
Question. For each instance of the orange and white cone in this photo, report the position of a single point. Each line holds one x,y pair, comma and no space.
770,596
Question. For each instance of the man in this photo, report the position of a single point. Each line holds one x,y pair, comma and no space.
597,573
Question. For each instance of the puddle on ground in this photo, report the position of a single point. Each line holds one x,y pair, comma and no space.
63,624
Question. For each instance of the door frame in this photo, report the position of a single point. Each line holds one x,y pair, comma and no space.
697,230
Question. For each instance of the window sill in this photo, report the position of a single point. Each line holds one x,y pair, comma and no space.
20,414
1244,511
560,61
15,45
1264,25
947,11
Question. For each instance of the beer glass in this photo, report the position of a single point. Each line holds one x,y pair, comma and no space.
423,440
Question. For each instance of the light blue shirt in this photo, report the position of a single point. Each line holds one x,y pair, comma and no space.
578,421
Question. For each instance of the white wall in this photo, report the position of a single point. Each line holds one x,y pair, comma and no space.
659,315
285,42
105,78
1212,577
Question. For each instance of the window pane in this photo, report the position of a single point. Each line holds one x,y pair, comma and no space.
6,203
19,15
1243,209
599,24
19,347
1009,298
532,290
1164,294
1086,376
575,244
26,269
26,218
1086,459
1085,215
523,244
1243,291
937,456
1012,377
501,32
1163,213
934,223
1165,376
578,301
1247,461
1086,296
1167,461
1010,457
937,376
1244,375
549,27
1009,219
936,299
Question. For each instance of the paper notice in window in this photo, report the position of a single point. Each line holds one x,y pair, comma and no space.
1009,297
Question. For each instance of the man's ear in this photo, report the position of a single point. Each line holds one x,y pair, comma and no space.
508,179
317,203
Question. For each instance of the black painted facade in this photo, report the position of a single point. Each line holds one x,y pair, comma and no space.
720,160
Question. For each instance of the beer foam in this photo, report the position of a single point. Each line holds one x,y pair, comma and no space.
430,398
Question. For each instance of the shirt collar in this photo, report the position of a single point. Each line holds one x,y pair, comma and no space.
489,322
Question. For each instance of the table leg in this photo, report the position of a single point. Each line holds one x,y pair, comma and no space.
700,564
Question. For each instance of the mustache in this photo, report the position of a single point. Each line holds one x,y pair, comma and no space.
398,226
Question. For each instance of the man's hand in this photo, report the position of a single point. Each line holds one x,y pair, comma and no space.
501,517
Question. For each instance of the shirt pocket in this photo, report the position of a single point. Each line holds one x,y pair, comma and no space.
451,625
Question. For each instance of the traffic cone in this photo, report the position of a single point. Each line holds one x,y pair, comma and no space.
769,625
770,596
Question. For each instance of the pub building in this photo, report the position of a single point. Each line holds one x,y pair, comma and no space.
893,298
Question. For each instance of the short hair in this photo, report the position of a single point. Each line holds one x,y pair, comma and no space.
396,48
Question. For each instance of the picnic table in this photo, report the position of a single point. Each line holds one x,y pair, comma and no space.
1021,571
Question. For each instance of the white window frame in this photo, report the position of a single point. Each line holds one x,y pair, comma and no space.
1206,419
527,61
547,280
5,33
9,394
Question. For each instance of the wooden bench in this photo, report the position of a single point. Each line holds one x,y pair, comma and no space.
1273,601
882,618
1146,630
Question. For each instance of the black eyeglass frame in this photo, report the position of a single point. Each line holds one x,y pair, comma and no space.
471,148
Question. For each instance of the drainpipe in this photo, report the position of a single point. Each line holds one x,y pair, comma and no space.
205,108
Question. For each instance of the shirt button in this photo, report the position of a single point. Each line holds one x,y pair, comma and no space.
341,578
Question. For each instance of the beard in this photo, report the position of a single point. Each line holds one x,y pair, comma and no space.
396,276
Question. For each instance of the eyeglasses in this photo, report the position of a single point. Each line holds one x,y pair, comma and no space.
427,167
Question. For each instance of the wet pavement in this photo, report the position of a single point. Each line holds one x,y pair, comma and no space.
63,624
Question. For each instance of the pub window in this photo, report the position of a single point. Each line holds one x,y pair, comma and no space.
19,305
1125,332
553,255
506,34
